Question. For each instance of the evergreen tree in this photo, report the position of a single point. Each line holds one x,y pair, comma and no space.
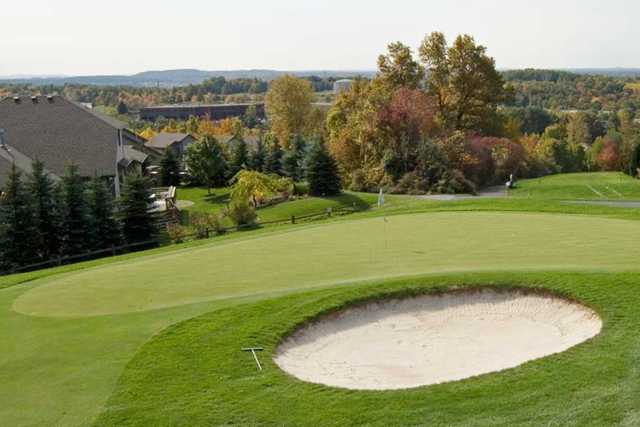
18,245
45,210
293,159
239,157
322,172
169,169
105,228
258,157
138,223
76,222
273,162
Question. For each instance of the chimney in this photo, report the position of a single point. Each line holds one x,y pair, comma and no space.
34,99
50,98
16,99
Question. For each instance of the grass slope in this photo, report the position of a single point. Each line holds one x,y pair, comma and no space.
580,186
59,371
195,374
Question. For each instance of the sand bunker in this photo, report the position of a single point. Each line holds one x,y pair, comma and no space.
412,342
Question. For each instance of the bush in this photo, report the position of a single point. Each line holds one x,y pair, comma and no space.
411,183
452,182
204,223
176,232
358,181
241,213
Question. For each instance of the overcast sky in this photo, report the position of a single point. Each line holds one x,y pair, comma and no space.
76,37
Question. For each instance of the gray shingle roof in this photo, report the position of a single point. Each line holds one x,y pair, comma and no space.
60,132
132,155
163,140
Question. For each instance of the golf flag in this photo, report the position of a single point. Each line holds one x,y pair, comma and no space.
381,199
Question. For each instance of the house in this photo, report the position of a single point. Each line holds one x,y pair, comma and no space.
178,142
60,132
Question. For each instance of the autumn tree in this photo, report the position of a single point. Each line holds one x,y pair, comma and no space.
288,105
463,79
398,68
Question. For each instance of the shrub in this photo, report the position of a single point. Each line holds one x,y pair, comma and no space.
176,232
204,223
411,183
358,181
241,213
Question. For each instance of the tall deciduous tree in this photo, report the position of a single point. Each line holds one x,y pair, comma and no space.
18,228
105,228
288,105
138,223
206,163
45,210
322,172
76,221
464,81
399,69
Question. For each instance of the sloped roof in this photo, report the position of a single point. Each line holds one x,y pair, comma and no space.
163,140
132,155
60,132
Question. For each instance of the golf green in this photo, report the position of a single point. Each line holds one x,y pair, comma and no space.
348,251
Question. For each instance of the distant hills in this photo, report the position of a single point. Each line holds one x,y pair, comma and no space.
168,78
181,77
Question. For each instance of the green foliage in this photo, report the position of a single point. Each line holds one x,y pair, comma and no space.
122,108
206,223
258,157
241,213
322,172
46,210
398,68
169,169
105,229
293,159
253,186
239,156
138,223
76,222
19,234
273,162
206,163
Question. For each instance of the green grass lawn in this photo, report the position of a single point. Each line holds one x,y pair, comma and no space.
106,341
580,186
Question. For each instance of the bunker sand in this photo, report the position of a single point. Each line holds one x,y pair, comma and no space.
431,339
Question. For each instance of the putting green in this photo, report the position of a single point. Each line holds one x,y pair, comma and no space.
341,252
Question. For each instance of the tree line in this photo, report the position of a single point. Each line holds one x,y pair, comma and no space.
41,220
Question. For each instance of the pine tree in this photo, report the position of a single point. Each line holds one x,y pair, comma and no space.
138,223
76,222
322,172
18,231
105,228
273,162
45,210
170,169
293,159
634,161
239,157
258,157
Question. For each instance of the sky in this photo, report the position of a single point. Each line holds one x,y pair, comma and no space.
80,37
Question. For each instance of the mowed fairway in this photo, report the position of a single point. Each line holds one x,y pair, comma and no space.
66,339
337,253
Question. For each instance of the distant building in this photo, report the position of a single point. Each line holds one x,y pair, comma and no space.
60,133
342,86
213,111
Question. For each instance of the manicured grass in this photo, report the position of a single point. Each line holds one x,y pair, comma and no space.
400,245
204,200
56,370
195,374
580,186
